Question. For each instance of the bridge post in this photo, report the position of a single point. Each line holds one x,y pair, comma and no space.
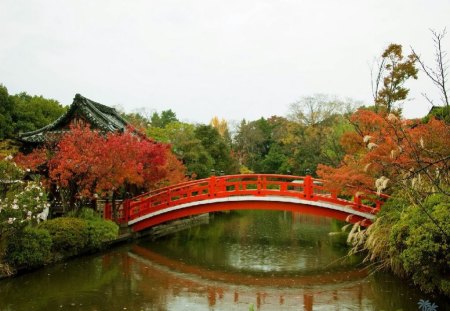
126,210
168,197
258,184
212,186
107,211
307,187
357,199
263,183
220,187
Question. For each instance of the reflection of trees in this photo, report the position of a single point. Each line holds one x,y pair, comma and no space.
47,289
385,291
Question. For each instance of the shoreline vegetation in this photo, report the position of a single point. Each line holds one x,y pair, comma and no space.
56,240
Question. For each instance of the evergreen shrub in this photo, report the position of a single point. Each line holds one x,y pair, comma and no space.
70,235
30,248
101,231
423,245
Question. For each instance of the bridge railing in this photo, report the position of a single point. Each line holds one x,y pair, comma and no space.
216,187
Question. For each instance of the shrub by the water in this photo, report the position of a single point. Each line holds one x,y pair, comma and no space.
30,248
422,247
70,235
407,241
101,231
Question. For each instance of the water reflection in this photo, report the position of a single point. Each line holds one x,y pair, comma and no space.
275,261
225,290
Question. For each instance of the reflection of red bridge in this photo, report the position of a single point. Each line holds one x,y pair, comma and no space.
250,191
236,289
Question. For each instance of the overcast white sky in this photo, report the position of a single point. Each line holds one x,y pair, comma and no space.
234,59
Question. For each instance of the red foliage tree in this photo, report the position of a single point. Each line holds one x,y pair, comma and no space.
86,162
175,171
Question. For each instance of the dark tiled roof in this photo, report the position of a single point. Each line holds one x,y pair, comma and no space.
99,116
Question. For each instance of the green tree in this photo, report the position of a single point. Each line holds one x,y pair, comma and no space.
186,146
6,112
34,112
252,143
217,147
276,161
166,117
318,122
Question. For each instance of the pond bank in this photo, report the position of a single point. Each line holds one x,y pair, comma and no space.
125,236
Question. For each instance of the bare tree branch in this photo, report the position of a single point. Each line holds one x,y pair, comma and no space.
439,74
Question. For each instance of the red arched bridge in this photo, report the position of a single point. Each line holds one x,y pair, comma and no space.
250,191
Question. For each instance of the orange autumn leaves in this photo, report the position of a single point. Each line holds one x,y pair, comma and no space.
383,146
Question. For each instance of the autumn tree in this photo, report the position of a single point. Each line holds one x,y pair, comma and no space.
174,171
86,162
221,126
385,151
394,70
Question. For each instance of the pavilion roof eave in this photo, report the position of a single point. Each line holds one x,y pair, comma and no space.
103,117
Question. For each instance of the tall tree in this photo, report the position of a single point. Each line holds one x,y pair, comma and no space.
137,120
217,147
394,71
6,112
319,121
221,126
161,120
312,110
34,112
251,144
186,146
439,74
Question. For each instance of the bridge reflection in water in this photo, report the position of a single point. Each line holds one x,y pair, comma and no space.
183,282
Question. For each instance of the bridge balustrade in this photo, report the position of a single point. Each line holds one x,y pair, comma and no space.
217,187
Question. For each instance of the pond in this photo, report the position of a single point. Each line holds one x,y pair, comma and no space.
244,260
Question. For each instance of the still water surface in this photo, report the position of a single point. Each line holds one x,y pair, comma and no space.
255,259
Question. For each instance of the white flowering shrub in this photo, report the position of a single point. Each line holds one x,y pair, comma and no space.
22,207
20,202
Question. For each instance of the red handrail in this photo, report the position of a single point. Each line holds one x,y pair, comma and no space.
302,187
